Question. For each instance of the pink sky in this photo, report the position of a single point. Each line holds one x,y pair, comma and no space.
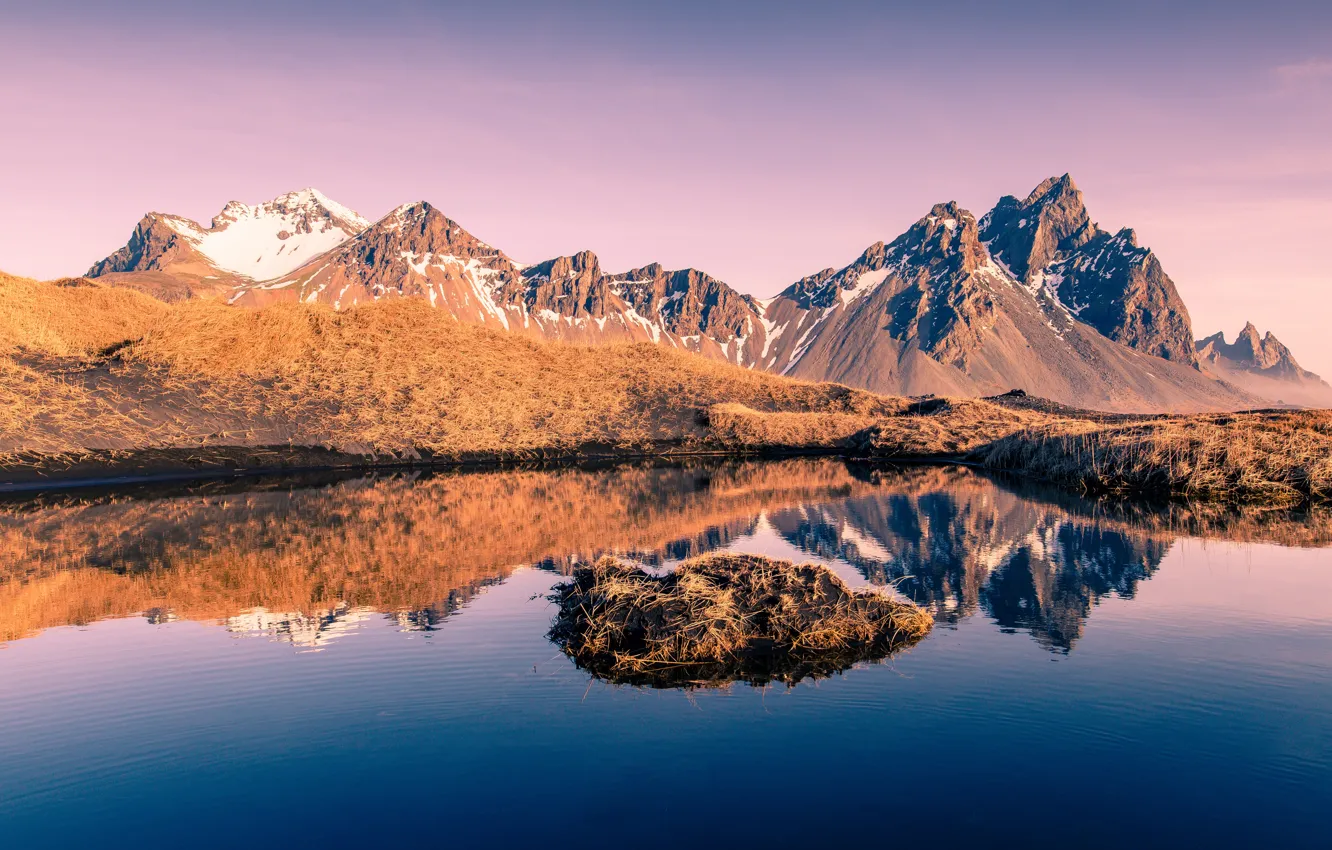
756,153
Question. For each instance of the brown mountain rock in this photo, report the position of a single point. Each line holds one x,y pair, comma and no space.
1048,241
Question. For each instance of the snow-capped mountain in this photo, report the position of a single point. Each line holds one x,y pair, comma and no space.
241,243
1033,295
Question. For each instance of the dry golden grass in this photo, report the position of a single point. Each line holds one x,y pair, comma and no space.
71,317
722,618
736,425
1274,459
88,367
395,378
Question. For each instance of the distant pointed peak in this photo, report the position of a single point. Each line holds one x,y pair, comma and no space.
948,209
1129,235
1052,188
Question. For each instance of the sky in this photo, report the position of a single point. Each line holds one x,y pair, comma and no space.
759,142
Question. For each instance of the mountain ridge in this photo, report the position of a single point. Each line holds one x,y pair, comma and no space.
1033,294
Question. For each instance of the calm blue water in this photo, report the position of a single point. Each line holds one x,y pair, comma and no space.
1092,682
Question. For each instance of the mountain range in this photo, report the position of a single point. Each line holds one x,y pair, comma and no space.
1032,295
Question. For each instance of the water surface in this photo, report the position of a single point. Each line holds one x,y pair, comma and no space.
365,660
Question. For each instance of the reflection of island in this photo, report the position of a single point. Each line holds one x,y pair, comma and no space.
307,563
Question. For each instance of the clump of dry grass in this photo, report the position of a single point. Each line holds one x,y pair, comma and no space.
736,425
952,427
722,618
1275,459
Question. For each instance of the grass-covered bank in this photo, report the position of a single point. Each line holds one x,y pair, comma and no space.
1279,458
97,382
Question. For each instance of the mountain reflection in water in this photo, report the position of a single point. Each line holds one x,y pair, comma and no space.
306,562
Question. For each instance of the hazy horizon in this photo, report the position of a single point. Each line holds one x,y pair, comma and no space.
758,142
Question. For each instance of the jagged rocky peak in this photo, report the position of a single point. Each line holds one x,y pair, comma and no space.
949,235
689,302
1027,235
421,228
946,240
1108,281
570,286
1252,352
582,264
148,248
1264,352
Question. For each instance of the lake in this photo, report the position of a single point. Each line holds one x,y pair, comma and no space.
328,662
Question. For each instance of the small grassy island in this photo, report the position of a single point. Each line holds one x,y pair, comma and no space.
724,618
103,382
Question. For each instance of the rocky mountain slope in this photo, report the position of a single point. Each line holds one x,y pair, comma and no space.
936,312
1263,366
417,251
1032,295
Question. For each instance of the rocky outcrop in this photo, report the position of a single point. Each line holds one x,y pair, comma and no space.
153,245
1029,235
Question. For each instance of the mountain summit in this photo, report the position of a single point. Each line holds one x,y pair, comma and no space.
966,307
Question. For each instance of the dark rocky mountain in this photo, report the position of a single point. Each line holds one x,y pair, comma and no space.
1033,295
935,312
1263,366
1049,242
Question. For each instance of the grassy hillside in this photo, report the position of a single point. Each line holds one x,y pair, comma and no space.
94,367
89,373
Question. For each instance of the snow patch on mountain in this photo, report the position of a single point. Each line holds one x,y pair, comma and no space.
269,240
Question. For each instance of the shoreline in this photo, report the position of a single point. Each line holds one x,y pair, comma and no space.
153,466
